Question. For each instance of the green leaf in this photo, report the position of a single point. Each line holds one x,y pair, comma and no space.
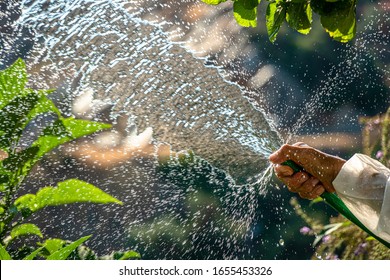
63,253
328,8
4,179
15,116
53,245
317,239
245,13
332,227
80,128
58,133
299,17
130,255
328,229
17,161
12,82
66,130
33,254
249,4
4,254
44,105
69,191
316,200
276,13
18,165
213,2
25,229
341,24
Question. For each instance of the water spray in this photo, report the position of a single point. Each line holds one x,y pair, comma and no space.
336,203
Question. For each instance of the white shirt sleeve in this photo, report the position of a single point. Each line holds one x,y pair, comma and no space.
363,184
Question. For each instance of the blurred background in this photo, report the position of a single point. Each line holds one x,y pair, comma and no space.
314,89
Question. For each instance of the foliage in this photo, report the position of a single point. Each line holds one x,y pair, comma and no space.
19,106
338,17
340,239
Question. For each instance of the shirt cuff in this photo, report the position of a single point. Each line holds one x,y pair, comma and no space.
362,184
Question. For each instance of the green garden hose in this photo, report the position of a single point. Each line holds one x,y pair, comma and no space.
333,200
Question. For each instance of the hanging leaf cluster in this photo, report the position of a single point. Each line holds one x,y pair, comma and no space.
338,17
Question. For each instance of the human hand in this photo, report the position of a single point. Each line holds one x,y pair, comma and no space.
320,169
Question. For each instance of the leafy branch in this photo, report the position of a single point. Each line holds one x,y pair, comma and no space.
18,107
338,17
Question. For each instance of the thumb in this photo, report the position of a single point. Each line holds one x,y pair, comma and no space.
277,157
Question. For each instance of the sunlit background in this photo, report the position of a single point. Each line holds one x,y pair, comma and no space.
198,103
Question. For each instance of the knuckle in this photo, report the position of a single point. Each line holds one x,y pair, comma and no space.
299,144
284,148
